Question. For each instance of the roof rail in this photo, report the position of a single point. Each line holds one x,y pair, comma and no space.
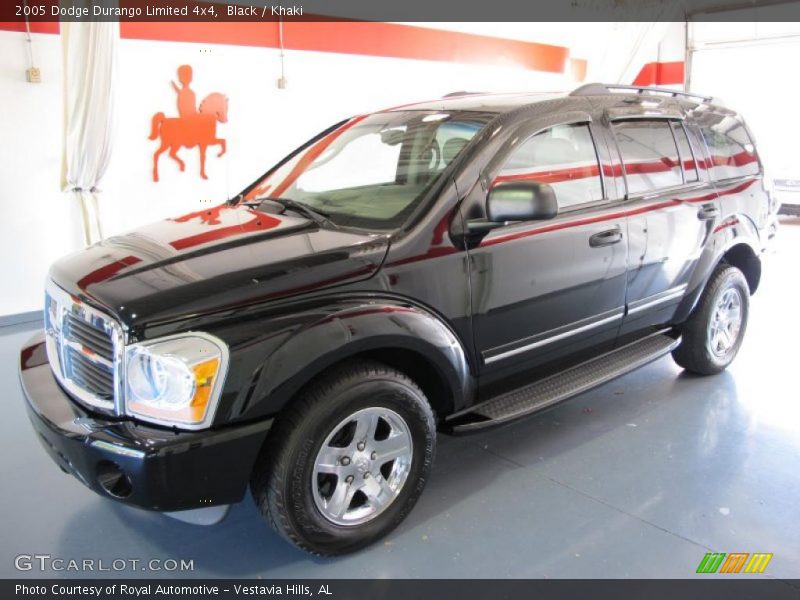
601,89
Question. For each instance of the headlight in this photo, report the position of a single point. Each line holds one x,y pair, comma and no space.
176,380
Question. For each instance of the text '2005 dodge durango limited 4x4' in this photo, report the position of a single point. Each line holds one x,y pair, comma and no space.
448,265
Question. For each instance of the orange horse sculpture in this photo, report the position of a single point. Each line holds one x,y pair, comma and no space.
195,130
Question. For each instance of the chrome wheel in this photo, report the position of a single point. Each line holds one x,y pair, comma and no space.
362,466
725,323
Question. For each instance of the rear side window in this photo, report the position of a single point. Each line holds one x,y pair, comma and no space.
732,153
649,154
685,150
563,157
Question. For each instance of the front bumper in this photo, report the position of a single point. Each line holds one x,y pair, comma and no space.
153,468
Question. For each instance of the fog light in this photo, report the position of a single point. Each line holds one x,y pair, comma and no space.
113,479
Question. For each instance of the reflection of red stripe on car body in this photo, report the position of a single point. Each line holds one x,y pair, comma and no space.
259,222
436,252
107,271
552,176
616,215
638,168
364,312
728,223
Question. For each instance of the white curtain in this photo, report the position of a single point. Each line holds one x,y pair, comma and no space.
89,54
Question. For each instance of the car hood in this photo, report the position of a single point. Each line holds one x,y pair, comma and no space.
215,259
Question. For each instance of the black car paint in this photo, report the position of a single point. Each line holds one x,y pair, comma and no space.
169,470
293,299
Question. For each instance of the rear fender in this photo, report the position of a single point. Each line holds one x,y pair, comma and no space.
733,230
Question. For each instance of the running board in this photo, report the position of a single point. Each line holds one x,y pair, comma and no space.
575,380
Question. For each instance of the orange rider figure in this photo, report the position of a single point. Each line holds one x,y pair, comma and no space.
187,105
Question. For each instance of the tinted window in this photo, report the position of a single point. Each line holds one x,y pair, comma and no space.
732,152
451,138
685,150
563,157
372,171
649,154
371,162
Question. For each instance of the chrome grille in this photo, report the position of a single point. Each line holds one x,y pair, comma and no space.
95,378
93,338
84,347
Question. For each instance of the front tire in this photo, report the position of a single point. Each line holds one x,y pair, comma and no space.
713,334
348,459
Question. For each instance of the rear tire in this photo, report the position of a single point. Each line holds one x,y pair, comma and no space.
323,480
713,334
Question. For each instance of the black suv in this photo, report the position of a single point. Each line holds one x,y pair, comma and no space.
447,265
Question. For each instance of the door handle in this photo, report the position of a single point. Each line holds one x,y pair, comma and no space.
708,212
606,238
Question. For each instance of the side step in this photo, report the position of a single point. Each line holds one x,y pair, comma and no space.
558,387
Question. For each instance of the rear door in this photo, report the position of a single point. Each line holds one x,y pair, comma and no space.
671,213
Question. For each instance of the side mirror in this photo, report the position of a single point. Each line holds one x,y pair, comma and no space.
521,201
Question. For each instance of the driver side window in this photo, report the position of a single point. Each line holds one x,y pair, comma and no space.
451,139
563,157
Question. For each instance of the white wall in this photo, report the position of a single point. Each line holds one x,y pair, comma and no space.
264,123
32,232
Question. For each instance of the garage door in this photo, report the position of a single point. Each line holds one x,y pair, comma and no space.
752,68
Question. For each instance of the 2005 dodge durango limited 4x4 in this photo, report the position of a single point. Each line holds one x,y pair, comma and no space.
448,266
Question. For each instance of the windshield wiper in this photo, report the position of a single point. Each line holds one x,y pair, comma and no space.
319,217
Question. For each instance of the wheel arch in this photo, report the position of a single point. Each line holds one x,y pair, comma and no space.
742,256
408,338
735,242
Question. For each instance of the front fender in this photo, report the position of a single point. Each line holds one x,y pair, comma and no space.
345,330
733,230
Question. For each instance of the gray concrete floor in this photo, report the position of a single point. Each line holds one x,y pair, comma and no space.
638,478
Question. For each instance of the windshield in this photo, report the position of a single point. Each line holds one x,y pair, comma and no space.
372,171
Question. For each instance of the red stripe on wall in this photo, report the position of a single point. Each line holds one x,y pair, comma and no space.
660,73
366,38
353,37
577,67
36,26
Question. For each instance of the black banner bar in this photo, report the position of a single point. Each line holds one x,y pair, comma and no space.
350,589
245,11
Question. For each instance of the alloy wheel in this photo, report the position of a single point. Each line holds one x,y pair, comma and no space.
362,466
725,323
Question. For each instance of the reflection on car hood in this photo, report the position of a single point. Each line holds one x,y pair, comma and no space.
215,259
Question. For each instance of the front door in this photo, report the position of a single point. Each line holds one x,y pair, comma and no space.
542,290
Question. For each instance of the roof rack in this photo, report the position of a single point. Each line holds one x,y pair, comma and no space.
462,93
601,89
